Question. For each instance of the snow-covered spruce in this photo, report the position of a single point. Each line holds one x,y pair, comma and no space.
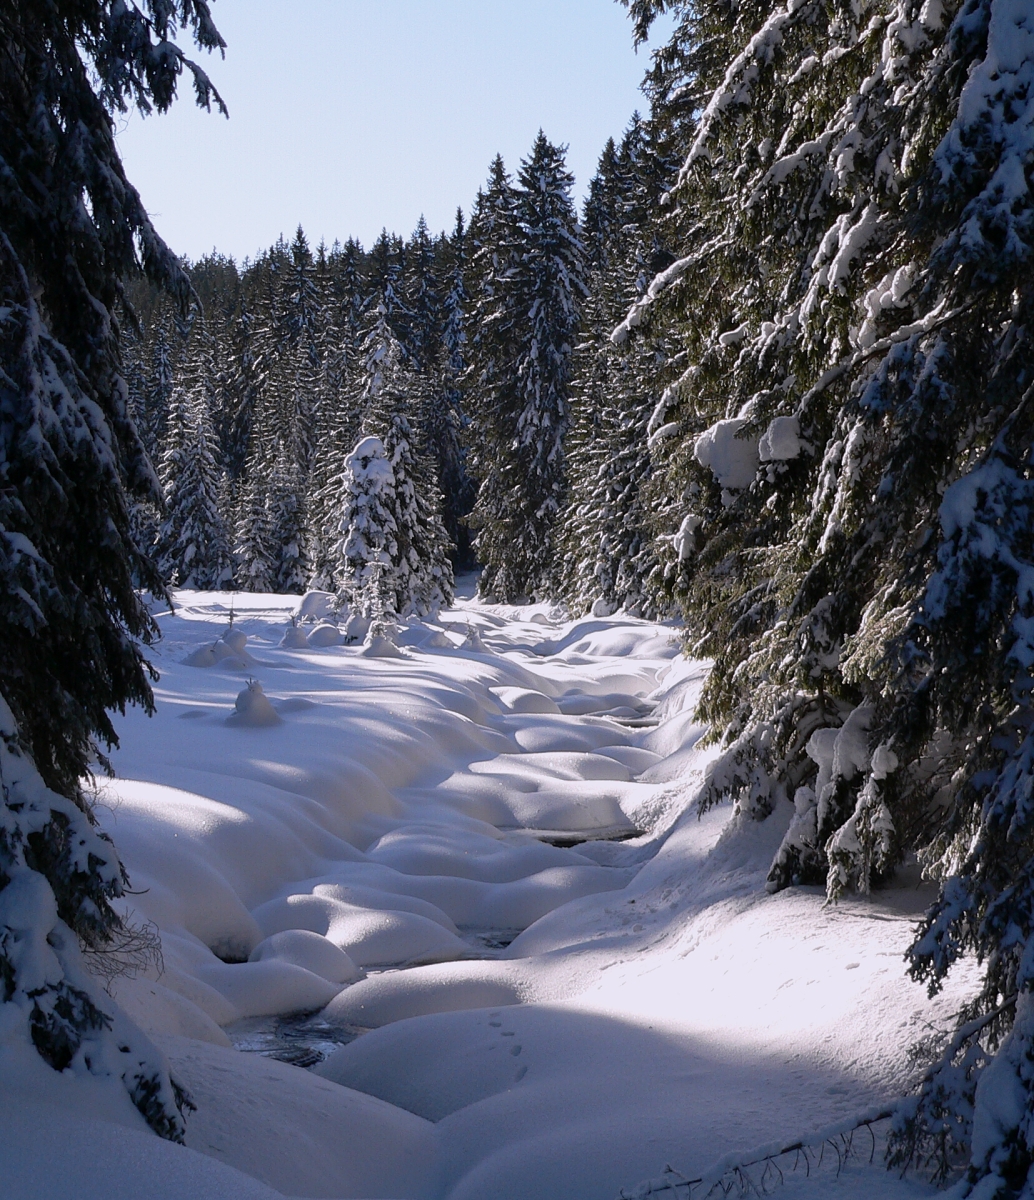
394,551
368,542
59,876
71,652
853,293
192,548
531,284
608,526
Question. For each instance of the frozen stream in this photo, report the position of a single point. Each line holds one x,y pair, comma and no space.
453,903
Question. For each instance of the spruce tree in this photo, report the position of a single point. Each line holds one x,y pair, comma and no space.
340,409
423,302
610,551
851,433
340,431
412,571
302,320
367,545
255,546
243,380
490,379
532,285
287,521
72,226
421,573
192,549
442,420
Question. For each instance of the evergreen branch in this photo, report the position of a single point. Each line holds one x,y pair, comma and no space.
733,1168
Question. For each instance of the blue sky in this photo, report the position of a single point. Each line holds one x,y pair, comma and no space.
350,115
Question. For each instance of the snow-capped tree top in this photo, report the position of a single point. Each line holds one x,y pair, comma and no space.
369,463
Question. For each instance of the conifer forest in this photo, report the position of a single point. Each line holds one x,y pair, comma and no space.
731,463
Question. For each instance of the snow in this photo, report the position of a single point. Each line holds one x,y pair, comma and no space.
325,634
252,707
683,539
483,857
781,441
315,606
731,459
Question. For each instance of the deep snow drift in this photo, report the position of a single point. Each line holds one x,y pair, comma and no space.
534,971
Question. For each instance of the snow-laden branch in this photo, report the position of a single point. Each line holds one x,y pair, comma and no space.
933,320
673,1184
760,48
661,282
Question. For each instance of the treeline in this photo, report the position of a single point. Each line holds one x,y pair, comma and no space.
480,359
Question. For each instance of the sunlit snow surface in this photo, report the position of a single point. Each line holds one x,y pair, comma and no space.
526,967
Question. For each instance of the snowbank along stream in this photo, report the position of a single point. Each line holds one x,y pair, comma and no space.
458,890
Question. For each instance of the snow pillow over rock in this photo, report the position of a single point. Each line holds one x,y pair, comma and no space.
303,948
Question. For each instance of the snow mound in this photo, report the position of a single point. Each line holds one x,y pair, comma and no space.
473,642
524,700
217,654
269,988
315,606
427,850
54,1155
326,634
160,1010
303,948
380,646
296,1132
444,987
253,709
227,651
369,937
633,758
356,628
235,639
294,638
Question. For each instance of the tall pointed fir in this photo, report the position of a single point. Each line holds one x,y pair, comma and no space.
339,414
522,411
158,391
442,420
287,520
423,302
304,319
367,547
192,549
387,286
73,622
244,375
610,557
255,545
491,239
853,441
421,574
407,569
339,432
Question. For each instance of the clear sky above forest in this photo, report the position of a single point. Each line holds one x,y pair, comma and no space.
348,115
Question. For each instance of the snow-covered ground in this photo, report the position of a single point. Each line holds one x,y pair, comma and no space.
535,971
